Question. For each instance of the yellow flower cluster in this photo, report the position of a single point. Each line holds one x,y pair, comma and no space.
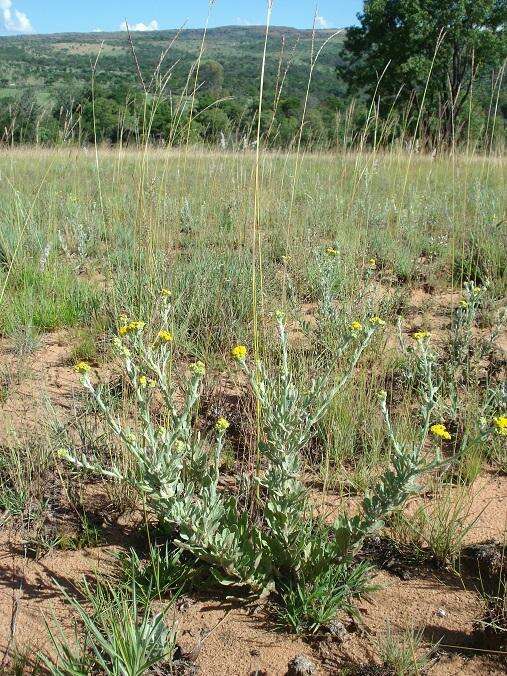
222,424
164,336
372,263
463,303
82,367
131,327
377,321
421,335
501,425
440,430
332,252
166,293
239,352
144,381
356,326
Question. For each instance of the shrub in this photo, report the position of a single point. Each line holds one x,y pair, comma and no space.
267,538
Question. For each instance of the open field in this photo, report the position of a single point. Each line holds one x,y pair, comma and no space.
166,469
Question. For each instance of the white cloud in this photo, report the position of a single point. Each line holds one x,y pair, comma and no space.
97,30
14,20
321,22
243,22
151,26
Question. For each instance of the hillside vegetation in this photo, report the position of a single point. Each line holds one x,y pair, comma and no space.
175,87
46,81
61,63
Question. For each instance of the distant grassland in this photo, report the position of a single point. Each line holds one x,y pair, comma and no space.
83,237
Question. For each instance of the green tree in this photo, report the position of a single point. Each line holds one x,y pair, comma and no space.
215,123
211,76
400,37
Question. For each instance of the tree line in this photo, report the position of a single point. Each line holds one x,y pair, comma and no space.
413,69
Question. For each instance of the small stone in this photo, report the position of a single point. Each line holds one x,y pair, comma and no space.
337,630
300,665
441,612
183,603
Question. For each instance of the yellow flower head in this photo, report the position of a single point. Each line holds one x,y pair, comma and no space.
372,263
421,335
82,367
222,424
440,430
332,251
164,336
463,303
143,381
356,326
131,327
377,321
166,293
199,369
136,326
501,425
63,453
239,352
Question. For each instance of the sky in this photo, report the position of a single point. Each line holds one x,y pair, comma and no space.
56,16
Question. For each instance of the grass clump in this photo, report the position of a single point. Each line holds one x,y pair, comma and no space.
404,653
438,530
307,607
45,299
118,637
164,570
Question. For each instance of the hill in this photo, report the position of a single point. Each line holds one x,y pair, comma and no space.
54,64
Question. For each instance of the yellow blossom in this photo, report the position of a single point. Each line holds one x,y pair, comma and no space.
63,453
143,381
421,335
332,251
165,336
377,321
136,326
82,367
356,326
463,303
166,293
239,352
501,425
131,327
372,263
222,424
440,430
